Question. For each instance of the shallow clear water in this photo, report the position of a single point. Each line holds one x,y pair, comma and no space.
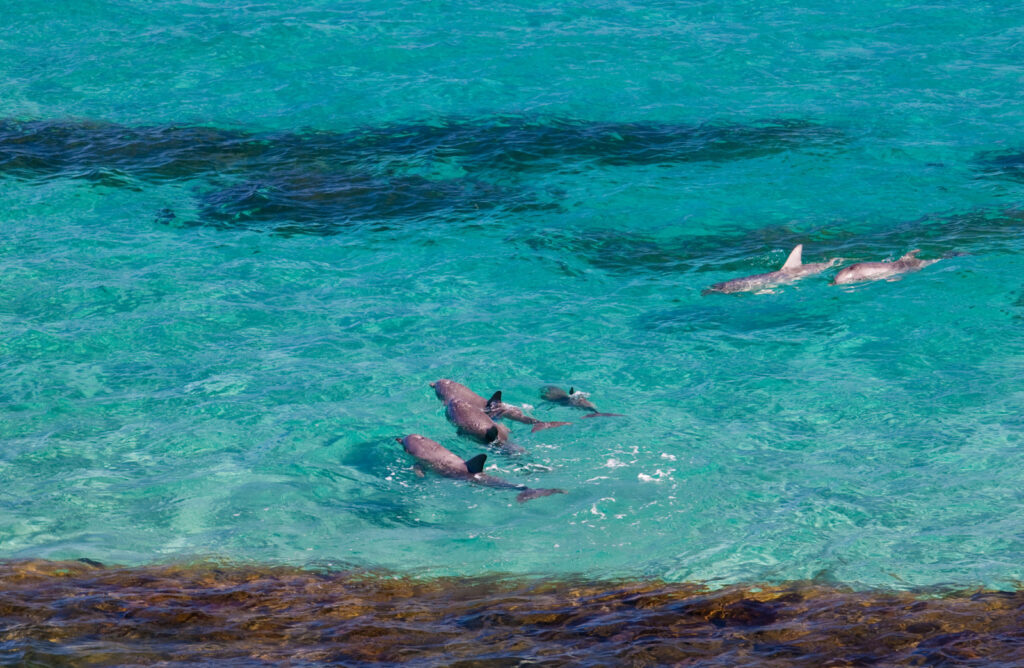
208,351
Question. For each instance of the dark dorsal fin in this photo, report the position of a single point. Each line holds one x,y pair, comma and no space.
572,390
492,434
476,464
495,398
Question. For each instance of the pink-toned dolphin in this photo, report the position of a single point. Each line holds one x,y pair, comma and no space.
793,270
876,271
440,459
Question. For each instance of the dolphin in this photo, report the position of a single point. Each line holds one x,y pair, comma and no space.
496,408
448,391
445,462
792,270
557,395
875,271
477,424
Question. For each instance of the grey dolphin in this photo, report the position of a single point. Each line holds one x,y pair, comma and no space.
477,424
445,462
875,271
557,395
793,270
496,408
448,391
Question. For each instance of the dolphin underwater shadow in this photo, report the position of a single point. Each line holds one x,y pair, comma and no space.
443,461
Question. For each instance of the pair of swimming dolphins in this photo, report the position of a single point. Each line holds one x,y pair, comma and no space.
794,269
475,417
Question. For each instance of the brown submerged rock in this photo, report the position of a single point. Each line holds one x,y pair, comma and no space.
74,613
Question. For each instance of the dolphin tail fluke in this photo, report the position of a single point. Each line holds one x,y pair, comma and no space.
595,414
537,426
795,258
476,464
528,494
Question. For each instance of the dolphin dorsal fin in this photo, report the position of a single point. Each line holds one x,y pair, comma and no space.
476,464
495,398
795,258
910,255
492,434
572,390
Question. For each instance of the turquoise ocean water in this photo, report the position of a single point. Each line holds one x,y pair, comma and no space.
237,240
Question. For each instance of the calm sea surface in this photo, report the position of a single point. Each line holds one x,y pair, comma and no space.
238,240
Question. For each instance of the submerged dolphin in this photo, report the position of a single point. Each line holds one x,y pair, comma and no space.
448,391
557,395
793,270
445,462
875,271
496,408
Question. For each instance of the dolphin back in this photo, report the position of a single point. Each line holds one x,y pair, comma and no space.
448,391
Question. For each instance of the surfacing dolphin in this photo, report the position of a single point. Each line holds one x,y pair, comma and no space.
793,270
475,423
448,391
876,271
557,395
445,462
